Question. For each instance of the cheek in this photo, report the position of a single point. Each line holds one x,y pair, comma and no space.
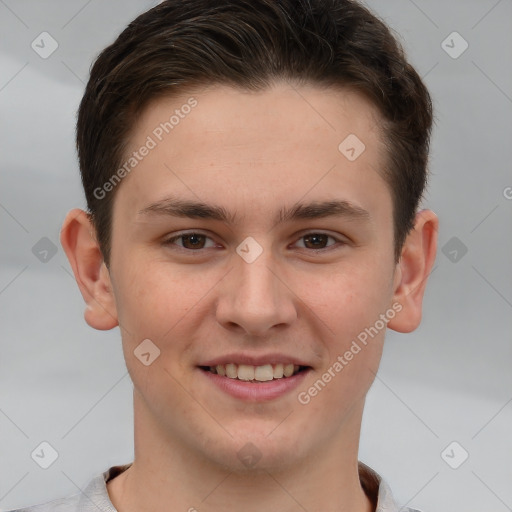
350,306
153,301
347,299
165,303
154,296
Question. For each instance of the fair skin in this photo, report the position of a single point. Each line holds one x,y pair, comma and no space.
252,154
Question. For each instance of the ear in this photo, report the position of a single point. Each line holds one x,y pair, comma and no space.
78,239
416,261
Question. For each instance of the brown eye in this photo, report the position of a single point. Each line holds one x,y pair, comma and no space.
190,241
318,241
193,241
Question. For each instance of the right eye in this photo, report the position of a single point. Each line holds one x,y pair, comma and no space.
191,241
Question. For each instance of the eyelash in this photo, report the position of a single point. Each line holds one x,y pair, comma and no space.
170,241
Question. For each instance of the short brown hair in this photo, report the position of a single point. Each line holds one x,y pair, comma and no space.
250,44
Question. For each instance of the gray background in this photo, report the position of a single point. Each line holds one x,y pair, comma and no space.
65,383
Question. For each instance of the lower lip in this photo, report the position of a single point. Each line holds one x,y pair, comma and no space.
256,391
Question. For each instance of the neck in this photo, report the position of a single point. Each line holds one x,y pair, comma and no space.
169,476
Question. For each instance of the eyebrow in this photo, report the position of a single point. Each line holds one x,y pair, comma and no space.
178,207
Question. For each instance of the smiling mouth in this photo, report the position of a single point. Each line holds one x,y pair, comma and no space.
249,373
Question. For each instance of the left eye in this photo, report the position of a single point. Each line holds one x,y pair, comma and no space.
317,240
191,241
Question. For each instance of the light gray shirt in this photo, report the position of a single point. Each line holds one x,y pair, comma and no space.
95,498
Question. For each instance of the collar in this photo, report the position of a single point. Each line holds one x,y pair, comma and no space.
372,484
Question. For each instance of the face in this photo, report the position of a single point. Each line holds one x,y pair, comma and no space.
255,275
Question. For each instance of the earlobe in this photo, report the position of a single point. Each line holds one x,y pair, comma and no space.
416,262
91,274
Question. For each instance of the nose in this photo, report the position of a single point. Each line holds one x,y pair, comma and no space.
255,297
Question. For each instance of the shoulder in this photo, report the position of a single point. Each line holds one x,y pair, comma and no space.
65,504
379,492
93,498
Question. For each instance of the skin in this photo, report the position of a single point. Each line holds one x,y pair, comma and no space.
253,154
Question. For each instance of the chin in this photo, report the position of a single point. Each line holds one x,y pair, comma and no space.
258,452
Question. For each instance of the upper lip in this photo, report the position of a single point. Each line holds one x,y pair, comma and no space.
254,360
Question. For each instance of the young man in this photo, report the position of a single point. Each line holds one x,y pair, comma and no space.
253,171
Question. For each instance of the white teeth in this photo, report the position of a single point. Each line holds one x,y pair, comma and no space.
245,372
263,373
278,371
231,371
288,370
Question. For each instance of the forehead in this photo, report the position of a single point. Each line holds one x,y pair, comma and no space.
233,115
258,148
